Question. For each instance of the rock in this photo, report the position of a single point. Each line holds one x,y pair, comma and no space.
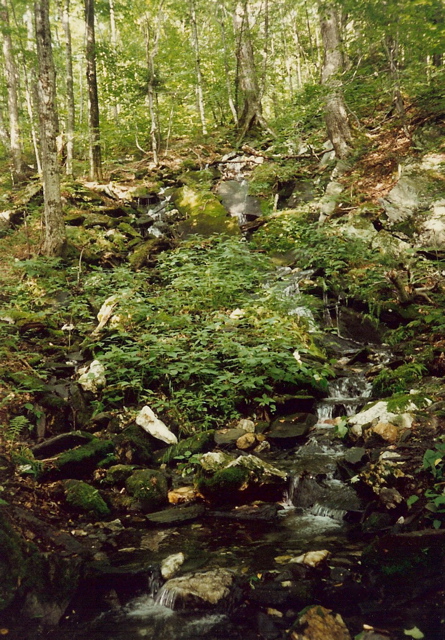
215,460
148,420
80,462
118,474
12,561
413,192
228,436
206,216
378,412
236,199
182,495
247,425
170,565
105,312
86,498
312,558
198,443
197,589
99,220
266,627
328,203
93,378
248,441
60,443
224,485
387,431
177,515
286,431
149,488
258,512
145,252
355,455
318,623
134,446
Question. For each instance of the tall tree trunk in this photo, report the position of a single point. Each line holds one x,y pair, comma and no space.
199,83
70,103
151,42
93,99
232,107
55,238
251,110
113,31
15,145
4,135
336,117
391,46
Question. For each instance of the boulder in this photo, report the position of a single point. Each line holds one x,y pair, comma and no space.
171,565
318,623
134,446
228,436
287,430
85,498
148,420
197,590
58,444
247,441
80,462
149,488
177,515
198,443
205,215
92,378
236,199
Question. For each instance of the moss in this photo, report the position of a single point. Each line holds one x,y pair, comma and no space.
118,474
149,488
86,498
81,461
134,446
51,578
202,179
223,486
205,214
199,443
12,567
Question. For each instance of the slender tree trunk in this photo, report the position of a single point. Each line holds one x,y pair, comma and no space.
152,41
4,135
199,82
392,53
251,111
93,99
113,30
70,103
336,117
226,65
55,238
17,168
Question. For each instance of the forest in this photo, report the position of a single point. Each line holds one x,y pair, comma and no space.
222,342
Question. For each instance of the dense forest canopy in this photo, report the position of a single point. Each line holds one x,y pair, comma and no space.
167,69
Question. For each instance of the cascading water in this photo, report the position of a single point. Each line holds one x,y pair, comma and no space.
346,395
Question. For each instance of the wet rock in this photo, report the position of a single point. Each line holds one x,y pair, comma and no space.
318,623
266,627
236,199
60,443
355,455
387,431
182,495
177,515
149,488
286,431
118,474
224,485
148,420
256,512
247,425
197,589
206,216
85,498
215,461
171,565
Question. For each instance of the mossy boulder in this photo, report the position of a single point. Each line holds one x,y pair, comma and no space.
85,498
99,220
12,562
198,443
134,446
202,179
80,462
205,215
224,485
149,488
118,474
145,251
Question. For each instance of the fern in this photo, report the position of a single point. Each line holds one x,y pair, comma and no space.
16,426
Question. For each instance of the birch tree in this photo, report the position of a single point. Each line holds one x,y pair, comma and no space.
95,151
69,79
55,238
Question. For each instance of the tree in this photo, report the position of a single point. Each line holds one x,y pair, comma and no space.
70,102
196,49
93,98
55,237
336,117
15,145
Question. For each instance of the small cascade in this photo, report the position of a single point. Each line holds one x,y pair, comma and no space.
346,396
166,597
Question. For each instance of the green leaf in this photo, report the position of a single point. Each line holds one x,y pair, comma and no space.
414,633
412,500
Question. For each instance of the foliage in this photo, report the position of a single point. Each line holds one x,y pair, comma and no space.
399,380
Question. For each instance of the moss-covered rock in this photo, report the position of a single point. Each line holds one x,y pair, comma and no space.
134,446
81,461
145,251
118,474
205,215
202,179
86,498
12,562
224,485
100,220
198,443
149,488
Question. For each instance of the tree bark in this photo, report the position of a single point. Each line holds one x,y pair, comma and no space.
199,82
336,117
251,112
15,145
152,41
70,103
55,238
220,16
93,99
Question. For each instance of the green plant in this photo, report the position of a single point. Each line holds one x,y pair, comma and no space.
16,426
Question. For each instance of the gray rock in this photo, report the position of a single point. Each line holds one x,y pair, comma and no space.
228,436
177,515
235,198
288,429
197,589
